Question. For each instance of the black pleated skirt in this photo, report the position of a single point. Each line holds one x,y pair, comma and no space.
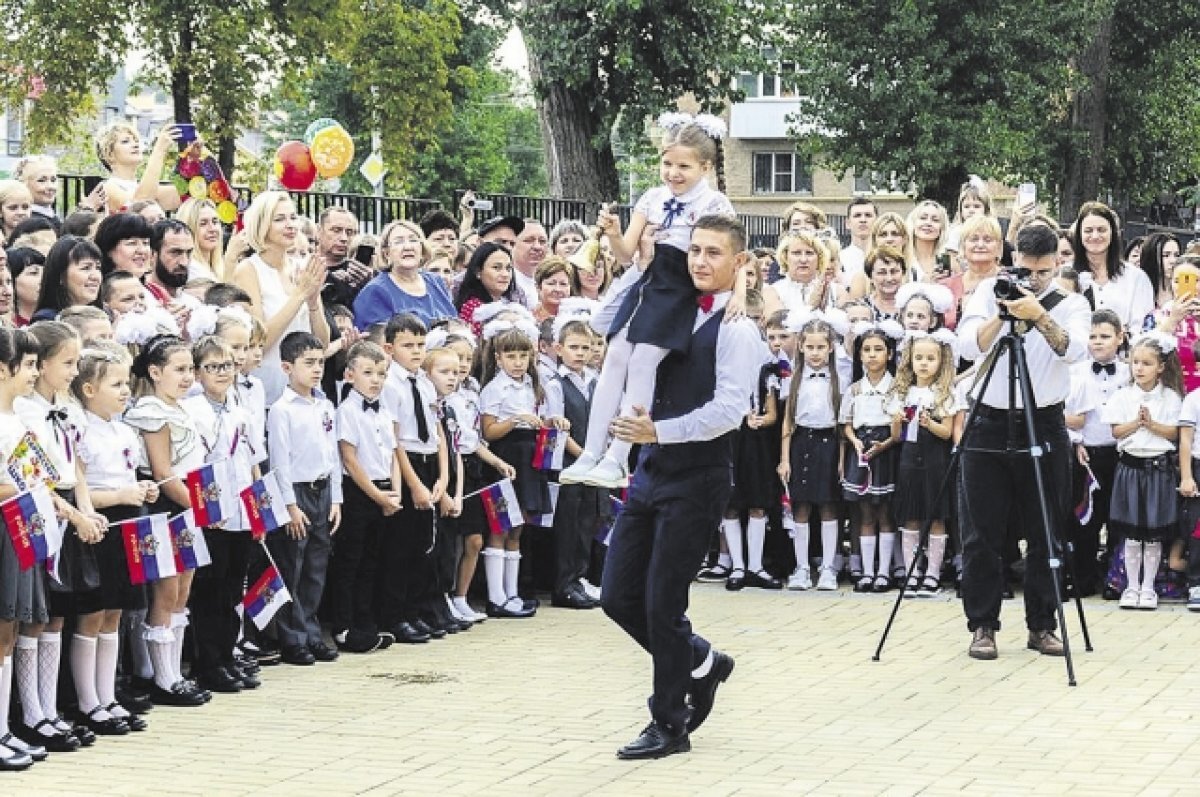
875,484
921,468
1145,504
814,461
532,485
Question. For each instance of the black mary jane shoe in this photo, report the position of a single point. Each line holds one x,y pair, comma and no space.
135,723
46,734
80,732
113,726
505,610
134,701
736,580
11,758
762,580
178,695
655,741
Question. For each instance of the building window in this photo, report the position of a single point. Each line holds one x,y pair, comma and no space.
13,131
781,173
772,85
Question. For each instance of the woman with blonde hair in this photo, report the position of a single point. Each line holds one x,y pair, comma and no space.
15,206
208,259
119,149
39,173
928,226
282,298
403,286
811,278
980,248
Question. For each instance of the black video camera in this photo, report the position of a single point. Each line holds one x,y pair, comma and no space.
1010,282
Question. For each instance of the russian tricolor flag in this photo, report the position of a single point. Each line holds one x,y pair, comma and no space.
500,507
265,508
550,448
148,549
604,535
188,543
265,597
205,493
546,521
33,526
1083,510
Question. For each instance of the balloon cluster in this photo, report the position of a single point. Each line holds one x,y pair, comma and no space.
199,176
326,151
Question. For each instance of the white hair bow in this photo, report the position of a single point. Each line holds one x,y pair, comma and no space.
436,339
202,321
1161,340
939,296
714,126
887,326
135,328
942,336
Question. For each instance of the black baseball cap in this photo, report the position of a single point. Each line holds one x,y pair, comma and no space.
514,223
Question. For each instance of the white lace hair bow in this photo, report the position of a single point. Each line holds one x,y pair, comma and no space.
573,308
939,296
796,319
202,321
486,312
135,328
943,336
887,326
528,328
714,126
1161,340
436,339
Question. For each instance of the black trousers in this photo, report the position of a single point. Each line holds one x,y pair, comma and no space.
1086,537
355,555
998,489
658,543
304,564
405,579
216,590
575,519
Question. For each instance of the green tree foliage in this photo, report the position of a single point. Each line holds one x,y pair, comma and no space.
931,90
595,62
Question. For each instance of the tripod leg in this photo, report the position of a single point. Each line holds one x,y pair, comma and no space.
1069,556
1036,450
917,559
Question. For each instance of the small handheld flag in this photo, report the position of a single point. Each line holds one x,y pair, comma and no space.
148,550
1083,510
33,526
549,449
30,465
604,535
188,543
205,493
265,597
265,508
546,521
500,507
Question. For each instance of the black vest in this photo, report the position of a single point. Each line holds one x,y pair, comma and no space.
576,407
685,383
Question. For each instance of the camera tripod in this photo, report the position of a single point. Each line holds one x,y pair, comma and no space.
1012,343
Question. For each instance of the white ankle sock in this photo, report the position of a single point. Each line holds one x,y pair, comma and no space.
464,608
732,529
1133,564
512,569
800,544
829,543
756,536
493,571
160,643
25,673
1151,558
867,545
49,659
83,671
6,676
106,667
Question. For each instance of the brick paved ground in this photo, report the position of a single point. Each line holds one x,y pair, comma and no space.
539,707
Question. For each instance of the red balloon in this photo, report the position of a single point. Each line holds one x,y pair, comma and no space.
294,166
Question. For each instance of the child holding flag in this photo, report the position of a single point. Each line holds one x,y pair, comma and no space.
170,450
441,368
223,427
21,598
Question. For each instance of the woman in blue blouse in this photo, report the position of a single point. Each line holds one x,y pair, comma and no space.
403,287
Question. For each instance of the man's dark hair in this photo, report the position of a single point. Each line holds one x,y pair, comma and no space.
160,229
1037,240
329,210
861,200
726,224
404,322
79,223
224,294
294,345
106,287
35,223
436,220
340,311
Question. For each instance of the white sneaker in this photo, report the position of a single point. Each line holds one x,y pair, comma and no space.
801,579
591,589
1130,599
608,473
828,579
1148,600
1193,602
579,469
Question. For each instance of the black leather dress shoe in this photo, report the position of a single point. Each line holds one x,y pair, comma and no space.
217,679
249,680
404,632
574,598
134,701
704,690
425,628
322,652
80,732
135,723
298,655
504,611
655,742
177,695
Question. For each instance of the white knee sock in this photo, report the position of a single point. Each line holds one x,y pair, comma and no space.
512,569
6,676
493,571
937,552
49,659
908,541
756,536
829,543
732,529
179,623
800,544
25,673
887,544
107,647
1133,564
160,643
724,560
1151,557
83,671
606,397
867,545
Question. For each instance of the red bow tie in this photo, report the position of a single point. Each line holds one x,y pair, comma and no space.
705,302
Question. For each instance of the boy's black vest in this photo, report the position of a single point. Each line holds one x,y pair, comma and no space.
576,407
685,383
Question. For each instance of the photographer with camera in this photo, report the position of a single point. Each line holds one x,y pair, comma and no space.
997,471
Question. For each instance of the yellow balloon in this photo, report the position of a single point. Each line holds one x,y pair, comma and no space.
332,151
227,212
198,187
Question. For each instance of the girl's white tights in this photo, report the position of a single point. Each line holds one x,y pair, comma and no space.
626,381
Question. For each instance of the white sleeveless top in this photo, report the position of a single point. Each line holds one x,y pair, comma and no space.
274,297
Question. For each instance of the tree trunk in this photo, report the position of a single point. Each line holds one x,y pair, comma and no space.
181,75
226,148
1082,162
945,187
578,140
